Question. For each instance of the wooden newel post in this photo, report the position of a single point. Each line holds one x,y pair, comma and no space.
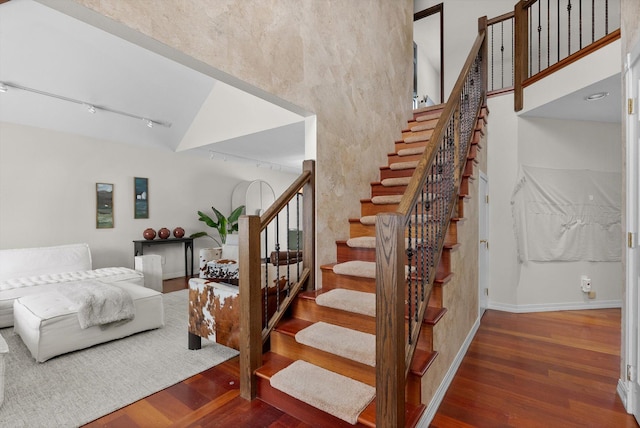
250,304
521,58
390,332
483,28
309,223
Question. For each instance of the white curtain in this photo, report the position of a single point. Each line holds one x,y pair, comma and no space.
567,215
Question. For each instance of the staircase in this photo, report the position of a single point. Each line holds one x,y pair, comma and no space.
334,328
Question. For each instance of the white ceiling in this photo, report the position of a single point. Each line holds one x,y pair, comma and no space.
50,51
574,106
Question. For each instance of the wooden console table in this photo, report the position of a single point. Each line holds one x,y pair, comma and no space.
188,245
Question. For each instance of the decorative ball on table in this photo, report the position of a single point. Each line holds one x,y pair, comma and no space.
178,232
164,233
149,234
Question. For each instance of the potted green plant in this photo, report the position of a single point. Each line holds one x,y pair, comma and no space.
224,225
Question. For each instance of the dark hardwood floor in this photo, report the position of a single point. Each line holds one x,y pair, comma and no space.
551,369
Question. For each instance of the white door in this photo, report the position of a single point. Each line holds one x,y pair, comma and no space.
483,244
633,227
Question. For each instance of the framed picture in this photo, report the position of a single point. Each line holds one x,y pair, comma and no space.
104,205
141,201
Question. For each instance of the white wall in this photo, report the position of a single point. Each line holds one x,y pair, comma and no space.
461,29
567,144
47,193
502,165
549,143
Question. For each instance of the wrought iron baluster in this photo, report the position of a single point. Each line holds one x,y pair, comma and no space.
593,21
569,28
266,276
539,35
502,53
606,17
548,34
530,45
409,279
580,29
558,19
491,29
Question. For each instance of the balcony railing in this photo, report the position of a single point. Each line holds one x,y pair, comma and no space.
542,36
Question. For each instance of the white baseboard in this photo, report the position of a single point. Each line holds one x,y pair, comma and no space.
432,408
547,307
623,393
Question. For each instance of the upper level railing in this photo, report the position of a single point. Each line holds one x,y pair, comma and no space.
542,36
500,39
409,242
274,266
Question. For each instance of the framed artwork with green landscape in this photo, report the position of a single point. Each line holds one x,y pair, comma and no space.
104,205
141,201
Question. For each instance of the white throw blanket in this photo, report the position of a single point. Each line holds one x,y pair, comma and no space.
99,303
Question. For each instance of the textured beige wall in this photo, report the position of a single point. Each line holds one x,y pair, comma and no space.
349,62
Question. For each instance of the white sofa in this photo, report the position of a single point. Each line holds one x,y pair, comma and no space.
34,297
31,271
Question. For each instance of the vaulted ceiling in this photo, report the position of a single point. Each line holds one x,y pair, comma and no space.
56,67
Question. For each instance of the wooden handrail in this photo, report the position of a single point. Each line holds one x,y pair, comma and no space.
394,350
420,175
499,19
252,332
609,38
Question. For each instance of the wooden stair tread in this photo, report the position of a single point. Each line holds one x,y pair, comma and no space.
421,361
273,363
433,315
291,326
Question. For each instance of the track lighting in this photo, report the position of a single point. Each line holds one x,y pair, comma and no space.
91,108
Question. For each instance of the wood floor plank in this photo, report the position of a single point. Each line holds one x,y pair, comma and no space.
549,369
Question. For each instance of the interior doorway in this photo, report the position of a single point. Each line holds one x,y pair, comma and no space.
632,316
428,56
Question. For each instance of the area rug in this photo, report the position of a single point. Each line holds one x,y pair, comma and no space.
331,392
76,388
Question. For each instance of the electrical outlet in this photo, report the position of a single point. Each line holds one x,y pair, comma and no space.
163,259
585,283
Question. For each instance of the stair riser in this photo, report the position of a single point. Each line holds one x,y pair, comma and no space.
346,253
385,172
369,208
473,152
435,301
309,310
427,133
380,190
287,346
330,280
357,229
400,145
429,124
298,409
427,112
394,158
